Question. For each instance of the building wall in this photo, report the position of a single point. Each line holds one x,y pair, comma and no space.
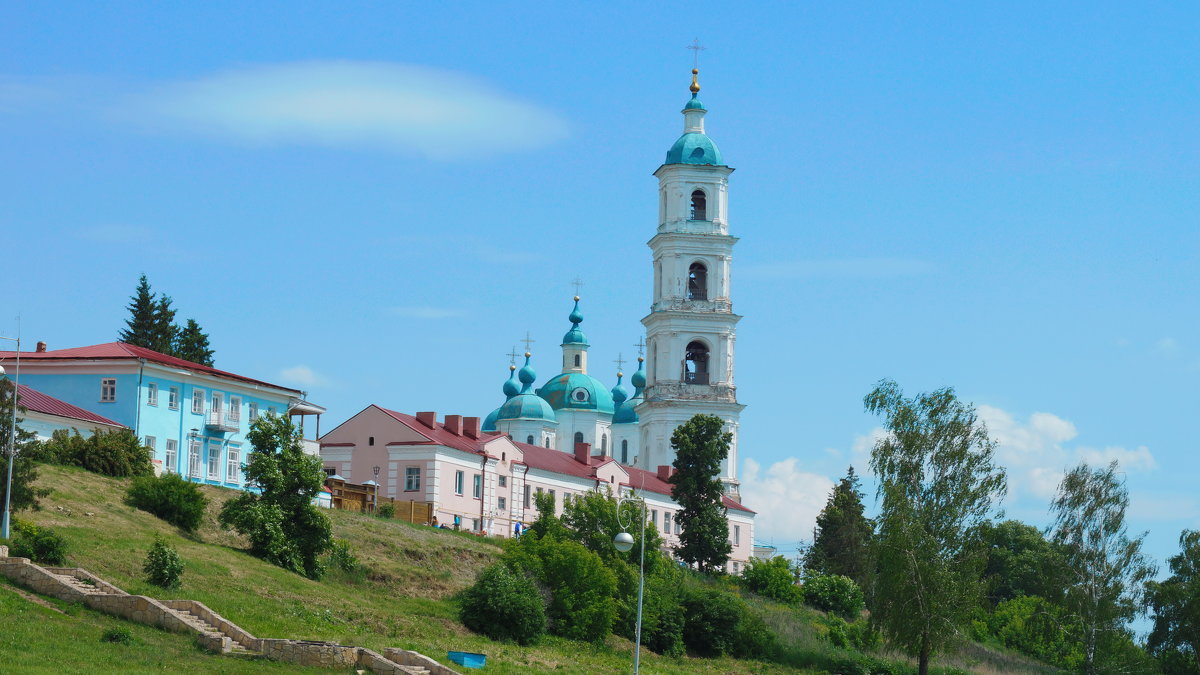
44,425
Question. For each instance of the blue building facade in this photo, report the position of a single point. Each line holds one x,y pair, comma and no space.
193,418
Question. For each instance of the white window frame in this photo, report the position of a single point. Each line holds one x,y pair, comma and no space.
737,535
477,486
171,456
152,394
233,465
108,390
459,482
666,522
194,459
152,443
412,478
214,462
198,401
173,398
218,404
501,504
503,481
253,411
235,408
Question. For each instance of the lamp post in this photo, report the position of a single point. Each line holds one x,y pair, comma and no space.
12,438
624,542
375,505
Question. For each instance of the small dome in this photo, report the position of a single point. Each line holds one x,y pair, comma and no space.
528,375
489,422
577,391
694,104
627,411
694,148
526,407
639,378
511,386
618,392
575,336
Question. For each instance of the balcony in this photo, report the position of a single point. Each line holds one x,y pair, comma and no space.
216,420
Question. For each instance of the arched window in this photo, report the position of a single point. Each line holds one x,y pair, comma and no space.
578,436
697,287
695,363
547,441
604,445
529,439
625,452
699,206
577,360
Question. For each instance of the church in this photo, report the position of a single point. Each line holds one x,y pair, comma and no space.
574,433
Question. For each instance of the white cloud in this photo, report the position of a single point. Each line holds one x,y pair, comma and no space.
303,376
856,268
440,114
1130,460
427,312
787,500
860,449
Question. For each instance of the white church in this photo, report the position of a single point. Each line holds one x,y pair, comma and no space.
574,433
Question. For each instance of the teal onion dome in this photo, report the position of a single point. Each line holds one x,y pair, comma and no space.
694,148
639,378
694,104
489,422
511,386
527,375
627,411
577,391
618,392
526,405
575,336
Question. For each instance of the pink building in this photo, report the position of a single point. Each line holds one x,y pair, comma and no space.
485,482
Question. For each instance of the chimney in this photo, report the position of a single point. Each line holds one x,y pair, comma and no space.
471,427
41,347
453,424
583,453
428,418
665,473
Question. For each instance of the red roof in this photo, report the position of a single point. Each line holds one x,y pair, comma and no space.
442,436
121,351
35,401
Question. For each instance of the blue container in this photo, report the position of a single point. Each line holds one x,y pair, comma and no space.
468,659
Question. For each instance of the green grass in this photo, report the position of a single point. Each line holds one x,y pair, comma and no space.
404,601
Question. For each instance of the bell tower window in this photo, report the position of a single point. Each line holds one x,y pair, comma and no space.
695,363
697,287
699,206
578,360
578,436
625,452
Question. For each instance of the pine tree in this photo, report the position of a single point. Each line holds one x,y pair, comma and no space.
701,444
165,330
141,326
841,542
191,344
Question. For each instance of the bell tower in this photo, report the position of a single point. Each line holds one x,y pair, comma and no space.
690,330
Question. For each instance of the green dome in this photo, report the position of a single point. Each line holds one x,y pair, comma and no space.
626,412
575,336
511,386
694,104
489,422
526,407
618,392
694,148
577,391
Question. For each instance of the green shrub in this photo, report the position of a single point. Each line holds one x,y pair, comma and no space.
504,605
582,589
341,557
386,510
113,453
163,565
1039,628
717,622
170,497
773,579
834,593
857,635
118,635
39,544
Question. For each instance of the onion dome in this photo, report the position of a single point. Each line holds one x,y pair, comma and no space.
618,392
575,336
526,405
511,388
694,146
577,391
627,411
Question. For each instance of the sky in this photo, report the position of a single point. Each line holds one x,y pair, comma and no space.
374,202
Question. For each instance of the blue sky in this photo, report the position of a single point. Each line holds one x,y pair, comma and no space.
374,202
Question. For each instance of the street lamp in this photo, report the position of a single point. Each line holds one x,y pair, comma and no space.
624,542
12,437
375,506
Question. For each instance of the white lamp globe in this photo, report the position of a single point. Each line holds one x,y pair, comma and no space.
623,542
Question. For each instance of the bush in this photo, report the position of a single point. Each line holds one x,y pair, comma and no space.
386,510
504,605
114,453
163,565
773,579
39,544
834,593
342,558
582,589
170,497
718,622
1039,628
118,635
857,635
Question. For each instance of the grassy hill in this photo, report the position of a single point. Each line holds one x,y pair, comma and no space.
404,600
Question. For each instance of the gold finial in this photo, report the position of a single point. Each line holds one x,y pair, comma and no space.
695,83
640,359
511,367
577,298
620,374
527,355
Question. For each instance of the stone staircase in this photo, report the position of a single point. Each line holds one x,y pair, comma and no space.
212,630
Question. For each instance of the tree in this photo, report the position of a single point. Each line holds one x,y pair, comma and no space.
1021,562
701,444
116,453
1176,606
937,483
165,330
283,525
1107,567
24,494
191,344
591,520
842,539
142,325
772,578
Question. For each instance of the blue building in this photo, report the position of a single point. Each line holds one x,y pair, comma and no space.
194,418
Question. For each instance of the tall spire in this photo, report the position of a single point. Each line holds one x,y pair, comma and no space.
575,336
695,88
